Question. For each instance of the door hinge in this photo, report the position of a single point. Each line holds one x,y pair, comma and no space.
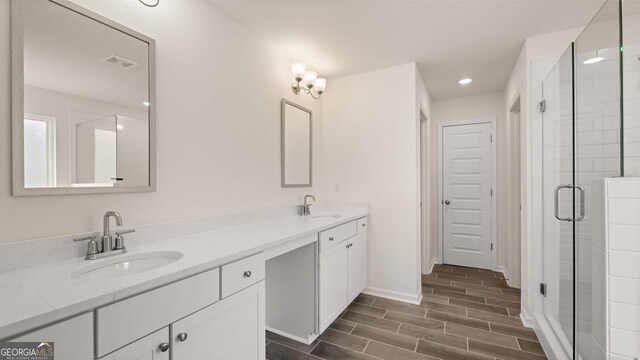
491,246
543,289
491,138
491,191
543,105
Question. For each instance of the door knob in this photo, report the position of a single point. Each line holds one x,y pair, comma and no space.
182,337
164,346
447,202
247,274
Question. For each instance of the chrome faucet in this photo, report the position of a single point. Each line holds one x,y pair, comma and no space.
304,210
106,247
107,241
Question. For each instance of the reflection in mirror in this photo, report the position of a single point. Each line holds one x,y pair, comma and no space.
87,96
296,145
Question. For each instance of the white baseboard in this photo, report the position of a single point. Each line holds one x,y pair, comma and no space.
550,342
502,269
433,263
395,295
527,320
308,341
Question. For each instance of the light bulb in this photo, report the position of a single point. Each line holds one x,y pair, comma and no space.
310,78
320,85
298,70
465,81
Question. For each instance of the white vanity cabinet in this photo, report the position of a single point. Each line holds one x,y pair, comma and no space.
151,347
343,268
228,330
72,339
199,317
357,274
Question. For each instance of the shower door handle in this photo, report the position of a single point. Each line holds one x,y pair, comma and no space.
556,198
582,203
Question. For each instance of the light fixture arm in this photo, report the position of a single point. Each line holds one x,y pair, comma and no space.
296,87
150,5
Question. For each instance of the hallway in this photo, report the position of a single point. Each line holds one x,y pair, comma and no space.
465,314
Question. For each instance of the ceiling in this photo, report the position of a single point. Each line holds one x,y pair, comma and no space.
448,40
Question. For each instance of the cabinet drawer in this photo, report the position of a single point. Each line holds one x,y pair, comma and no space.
128,320
242,274
363,224
331,237
72,339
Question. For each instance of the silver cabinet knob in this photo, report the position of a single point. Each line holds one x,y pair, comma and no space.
164,346
247,274
182,337
447,202
331,238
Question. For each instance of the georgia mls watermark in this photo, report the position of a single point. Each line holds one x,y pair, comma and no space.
26,350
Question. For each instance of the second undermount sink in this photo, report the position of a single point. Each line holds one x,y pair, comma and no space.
121,265
326,217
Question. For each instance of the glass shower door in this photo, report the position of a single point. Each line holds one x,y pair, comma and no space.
558,200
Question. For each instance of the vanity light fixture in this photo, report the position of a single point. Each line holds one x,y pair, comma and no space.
309,79
465,81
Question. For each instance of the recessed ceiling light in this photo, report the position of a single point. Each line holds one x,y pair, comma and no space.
593,60
465,81
146,103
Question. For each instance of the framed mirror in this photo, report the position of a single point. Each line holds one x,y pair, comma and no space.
296,143
83,102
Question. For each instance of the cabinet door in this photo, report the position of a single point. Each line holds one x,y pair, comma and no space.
151,347
333,283
357,277
72,339
231,329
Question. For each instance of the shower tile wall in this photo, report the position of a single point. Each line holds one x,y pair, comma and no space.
616,304
631,63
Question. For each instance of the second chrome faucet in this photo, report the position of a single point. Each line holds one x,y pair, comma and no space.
305,209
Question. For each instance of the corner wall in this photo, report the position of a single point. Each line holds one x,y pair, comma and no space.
371,154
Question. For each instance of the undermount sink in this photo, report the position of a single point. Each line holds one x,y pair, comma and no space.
121,265
326,217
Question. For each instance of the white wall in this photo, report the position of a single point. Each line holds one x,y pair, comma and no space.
218,133
536,59
471,108
371,153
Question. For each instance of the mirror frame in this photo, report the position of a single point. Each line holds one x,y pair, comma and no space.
283,103
17,104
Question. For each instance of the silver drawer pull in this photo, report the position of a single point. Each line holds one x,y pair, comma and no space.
164,346
247,274
331,238
182,337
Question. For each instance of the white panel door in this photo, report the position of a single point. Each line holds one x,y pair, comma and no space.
467,168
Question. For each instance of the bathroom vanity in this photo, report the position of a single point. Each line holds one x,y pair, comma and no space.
211,292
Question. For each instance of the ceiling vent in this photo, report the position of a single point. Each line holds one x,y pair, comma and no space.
120,62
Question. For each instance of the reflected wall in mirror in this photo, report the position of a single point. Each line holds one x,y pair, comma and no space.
296,123
83,102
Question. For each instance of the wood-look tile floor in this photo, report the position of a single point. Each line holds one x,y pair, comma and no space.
465,314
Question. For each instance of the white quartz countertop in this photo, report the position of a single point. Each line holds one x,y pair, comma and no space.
36,296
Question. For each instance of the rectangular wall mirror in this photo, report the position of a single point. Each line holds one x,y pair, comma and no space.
83,106
297,137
